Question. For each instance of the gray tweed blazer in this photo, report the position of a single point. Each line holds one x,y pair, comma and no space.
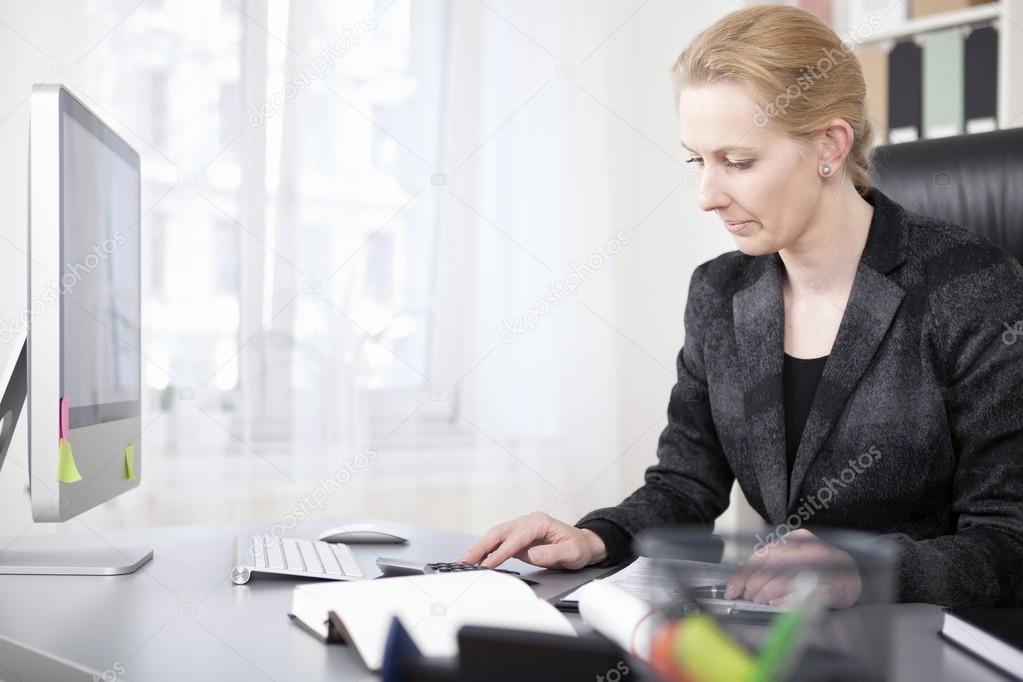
916,429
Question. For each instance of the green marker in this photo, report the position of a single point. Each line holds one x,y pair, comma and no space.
778,652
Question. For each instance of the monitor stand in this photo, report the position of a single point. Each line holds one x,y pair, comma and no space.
73,561
51,560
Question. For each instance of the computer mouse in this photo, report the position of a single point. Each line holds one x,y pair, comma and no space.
363,534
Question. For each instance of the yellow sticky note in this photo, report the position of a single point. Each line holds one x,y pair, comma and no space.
129,468
67,470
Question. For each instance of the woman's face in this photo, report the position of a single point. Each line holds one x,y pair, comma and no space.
748,172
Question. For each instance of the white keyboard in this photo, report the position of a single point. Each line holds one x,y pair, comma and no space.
293,557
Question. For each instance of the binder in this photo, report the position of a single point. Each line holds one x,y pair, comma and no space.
874,60
980,65
904,92
943,83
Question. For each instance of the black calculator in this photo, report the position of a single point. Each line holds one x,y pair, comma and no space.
394,567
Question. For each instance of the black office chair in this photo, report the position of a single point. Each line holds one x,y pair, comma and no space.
973,180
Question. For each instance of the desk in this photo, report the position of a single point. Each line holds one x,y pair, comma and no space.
181,618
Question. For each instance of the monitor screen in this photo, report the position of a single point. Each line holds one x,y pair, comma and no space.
99,284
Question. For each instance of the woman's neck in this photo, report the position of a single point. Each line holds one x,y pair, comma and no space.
825,255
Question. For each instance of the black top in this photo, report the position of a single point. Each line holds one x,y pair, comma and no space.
800,377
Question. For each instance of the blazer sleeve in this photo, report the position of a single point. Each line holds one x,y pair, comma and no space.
974,322
691,480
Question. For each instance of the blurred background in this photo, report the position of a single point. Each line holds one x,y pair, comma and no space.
428,257
343,205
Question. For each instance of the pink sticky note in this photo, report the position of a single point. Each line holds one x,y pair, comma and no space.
65,416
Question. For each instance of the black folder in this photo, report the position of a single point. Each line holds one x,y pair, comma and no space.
980,71
905,90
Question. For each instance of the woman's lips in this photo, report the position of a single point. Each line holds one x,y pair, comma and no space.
736,228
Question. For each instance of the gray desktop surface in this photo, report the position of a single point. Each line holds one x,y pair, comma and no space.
180,617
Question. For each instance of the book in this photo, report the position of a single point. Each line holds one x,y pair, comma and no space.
942,61
431,608
993,635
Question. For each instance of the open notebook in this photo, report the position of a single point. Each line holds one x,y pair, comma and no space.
431,607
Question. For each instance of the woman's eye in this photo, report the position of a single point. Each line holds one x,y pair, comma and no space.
740,165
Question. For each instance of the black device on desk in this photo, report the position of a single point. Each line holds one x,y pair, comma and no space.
511,655
391,567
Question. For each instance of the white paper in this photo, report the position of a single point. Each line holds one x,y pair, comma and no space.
654,582
644,579
626,620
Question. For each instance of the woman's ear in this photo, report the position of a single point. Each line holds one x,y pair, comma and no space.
835,141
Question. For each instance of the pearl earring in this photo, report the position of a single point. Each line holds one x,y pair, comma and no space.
826,170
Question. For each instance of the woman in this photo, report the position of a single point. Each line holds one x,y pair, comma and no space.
846,365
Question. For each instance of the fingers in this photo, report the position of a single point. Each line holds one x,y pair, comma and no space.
772,591
512,545
776,559
768,578
536,539
735,587
486,544
763,575
519,535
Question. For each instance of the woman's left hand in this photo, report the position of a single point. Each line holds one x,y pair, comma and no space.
767,576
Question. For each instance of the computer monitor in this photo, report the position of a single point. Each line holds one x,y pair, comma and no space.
80,366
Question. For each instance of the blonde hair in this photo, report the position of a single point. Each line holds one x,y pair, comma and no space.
800,73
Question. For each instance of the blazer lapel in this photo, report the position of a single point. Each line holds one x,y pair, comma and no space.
873,302
868,314
759,315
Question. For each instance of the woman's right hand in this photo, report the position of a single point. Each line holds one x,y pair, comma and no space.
540,540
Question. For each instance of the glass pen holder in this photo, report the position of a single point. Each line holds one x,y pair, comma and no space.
811,607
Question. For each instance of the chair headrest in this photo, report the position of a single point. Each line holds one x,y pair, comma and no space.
972,180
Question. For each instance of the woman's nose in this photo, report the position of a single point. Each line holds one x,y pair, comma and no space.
712,198
712,195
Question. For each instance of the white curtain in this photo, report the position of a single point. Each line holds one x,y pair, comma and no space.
530,196
332,250
499,190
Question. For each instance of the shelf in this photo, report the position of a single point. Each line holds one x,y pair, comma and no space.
936,22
